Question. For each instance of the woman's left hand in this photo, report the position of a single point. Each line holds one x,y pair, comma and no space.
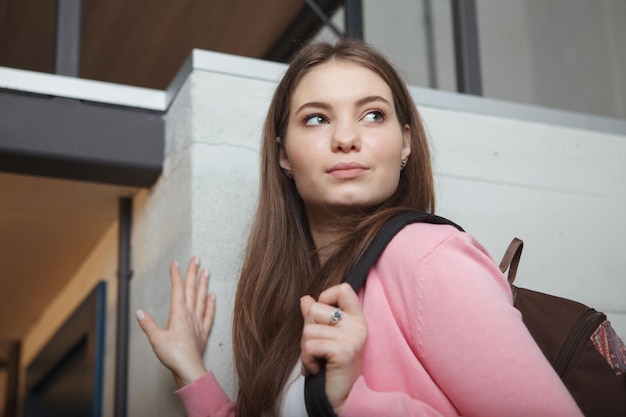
340,342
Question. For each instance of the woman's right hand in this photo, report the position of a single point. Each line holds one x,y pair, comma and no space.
180,345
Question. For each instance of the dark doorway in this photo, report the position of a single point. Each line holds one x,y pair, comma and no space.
65,379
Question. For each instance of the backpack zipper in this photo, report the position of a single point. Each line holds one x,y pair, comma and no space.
582,332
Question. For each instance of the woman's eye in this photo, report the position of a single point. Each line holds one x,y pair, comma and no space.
374,116
314,120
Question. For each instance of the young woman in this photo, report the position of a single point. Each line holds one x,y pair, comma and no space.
434,331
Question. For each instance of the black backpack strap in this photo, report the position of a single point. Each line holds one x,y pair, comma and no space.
317,404
315,399
357,275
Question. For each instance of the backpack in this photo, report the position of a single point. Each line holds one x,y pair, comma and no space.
577,340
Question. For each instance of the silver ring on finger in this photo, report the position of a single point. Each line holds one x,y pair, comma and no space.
335,317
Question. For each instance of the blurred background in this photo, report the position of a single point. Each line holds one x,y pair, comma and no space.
567,54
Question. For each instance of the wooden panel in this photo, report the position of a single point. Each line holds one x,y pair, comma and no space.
48,227
27,34
144,42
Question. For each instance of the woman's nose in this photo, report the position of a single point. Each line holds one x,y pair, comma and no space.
346,138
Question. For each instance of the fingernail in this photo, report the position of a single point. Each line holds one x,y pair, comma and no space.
175,262
140,314
196,260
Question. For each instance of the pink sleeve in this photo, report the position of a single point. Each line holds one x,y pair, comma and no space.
466,333
206,398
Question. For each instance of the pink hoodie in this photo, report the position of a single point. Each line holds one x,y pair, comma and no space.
444,340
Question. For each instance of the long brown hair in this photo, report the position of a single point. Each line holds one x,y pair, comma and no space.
281,263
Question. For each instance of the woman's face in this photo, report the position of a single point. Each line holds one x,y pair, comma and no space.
344,144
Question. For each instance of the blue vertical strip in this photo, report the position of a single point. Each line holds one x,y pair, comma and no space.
98,383
123,300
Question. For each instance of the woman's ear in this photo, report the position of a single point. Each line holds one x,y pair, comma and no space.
283,160
406,142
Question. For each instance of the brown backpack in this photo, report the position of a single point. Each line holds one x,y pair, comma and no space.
578,341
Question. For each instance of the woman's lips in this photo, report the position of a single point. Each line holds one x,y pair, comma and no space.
347,170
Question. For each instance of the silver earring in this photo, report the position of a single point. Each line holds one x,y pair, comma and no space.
402,164
288,173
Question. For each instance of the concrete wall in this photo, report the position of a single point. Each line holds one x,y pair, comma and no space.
559,189
201,206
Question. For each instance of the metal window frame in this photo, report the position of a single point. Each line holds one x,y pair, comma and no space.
354,19
68,29
466,50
